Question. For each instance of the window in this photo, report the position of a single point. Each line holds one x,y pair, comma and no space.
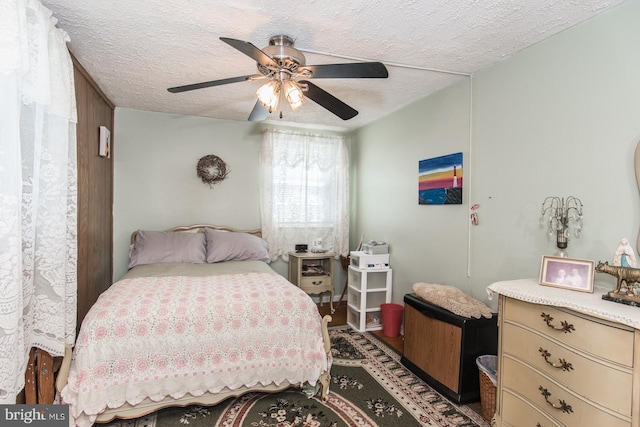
304,192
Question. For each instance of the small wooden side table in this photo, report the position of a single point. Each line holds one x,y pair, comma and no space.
313,273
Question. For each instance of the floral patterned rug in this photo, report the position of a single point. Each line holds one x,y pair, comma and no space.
370,387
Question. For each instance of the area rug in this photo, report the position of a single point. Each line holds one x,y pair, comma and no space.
369,388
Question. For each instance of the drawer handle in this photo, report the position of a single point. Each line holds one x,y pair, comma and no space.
317,283
564,325
562,405
564,365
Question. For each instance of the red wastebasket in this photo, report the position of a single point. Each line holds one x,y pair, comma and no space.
391,319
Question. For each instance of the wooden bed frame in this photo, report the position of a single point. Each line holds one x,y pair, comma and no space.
148,406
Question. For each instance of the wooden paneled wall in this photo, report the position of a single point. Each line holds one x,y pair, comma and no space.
95,192
95,225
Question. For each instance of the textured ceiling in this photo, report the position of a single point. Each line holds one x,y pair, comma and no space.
136,49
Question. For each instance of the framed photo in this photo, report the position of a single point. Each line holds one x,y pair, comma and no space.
568,273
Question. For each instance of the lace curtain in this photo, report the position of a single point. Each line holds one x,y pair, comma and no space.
304,191
38,254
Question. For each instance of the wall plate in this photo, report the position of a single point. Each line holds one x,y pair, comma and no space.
105,142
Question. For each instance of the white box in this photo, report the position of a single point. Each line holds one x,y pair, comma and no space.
364,261
375,249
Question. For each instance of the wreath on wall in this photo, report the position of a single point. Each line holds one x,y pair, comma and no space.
212,169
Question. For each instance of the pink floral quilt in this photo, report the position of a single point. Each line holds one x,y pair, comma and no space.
169,336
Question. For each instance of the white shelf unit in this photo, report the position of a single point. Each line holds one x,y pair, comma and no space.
367,290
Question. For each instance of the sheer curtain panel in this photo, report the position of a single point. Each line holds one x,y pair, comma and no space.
304,191
38,254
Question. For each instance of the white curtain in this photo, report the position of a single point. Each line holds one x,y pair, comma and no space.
304,191
38,245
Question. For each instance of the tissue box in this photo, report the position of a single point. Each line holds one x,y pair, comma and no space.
375,249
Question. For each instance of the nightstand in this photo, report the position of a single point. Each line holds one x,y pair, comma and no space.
313,273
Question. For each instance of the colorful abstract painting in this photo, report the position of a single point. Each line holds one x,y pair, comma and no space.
440,180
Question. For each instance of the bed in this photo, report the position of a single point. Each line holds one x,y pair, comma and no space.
199,317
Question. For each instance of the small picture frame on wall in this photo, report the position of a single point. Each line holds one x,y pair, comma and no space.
440,180
567,273
105,142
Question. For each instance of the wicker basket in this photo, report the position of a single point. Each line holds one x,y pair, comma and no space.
487,369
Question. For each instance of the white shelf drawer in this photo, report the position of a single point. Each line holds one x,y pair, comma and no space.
366,291
372,300
368,321
369,279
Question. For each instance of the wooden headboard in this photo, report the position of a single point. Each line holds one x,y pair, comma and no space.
199,228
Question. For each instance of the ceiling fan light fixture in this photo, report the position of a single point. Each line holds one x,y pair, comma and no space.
285,67
293,94
269,95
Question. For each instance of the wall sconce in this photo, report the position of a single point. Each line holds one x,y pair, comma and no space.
563,217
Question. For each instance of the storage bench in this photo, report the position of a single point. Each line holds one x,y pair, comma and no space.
441,348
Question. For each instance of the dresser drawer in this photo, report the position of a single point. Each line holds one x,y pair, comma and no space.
578,373
587,335
525,381
516,411
316,284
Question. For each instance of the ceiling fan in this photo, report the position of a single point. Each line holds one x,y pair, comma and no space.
285,68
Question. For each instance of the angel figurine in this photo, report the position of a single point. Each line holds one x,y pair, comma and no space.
624,256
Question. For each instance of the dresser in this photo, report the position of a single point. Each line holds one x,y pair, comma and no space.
565,358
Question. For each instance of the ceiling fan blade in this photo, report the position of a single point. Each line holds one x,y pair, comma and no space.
373,70
258,113
214,83
328,101
250,50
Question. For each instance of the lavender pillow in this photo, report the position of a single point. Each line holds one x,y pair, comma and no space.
232,246
153,247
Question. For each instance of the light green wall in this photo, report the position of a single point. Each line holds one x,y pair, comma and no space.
557,119
156,186
385,159
560,118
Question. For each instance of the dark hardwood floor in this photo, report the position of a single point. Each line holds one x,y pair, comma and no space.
340,318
